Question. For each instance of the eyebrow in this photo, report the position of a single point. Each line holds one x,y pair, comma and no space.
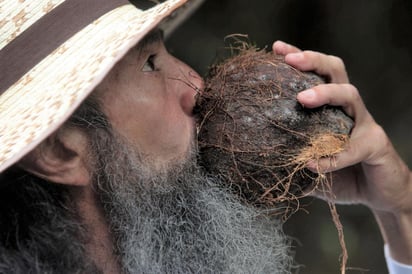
152,37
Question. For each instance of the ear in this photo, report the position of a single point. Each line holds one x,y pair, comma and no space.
62,158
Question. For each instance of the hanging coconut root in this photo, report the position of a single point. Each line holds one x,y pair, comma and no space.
255,135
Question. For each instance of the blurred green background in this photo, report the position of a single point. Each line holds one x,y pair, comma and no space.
374,38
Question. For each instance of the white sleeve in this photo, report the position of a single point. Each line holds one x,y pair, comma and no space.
395,267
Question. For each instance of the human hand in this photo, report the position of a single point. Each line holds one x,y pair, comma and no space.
369,171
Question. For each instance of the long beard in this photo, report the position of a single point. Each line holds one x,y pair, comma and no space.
176,220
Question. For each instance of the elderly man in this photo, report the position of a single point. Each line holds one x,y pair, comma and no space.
114,187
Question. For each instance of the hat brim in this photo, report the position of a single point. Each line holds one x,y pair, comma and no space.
45,97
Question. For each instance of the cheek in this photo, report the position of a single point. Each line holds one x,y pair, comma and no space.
154,122
167,129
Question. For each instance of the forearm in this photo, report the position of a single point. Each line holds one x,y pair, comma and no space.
396,229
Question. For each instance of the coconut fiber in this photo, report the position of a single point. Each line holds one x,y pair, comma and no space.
254,134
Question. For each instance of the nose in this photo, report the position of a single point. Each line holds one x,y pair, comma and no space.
191,83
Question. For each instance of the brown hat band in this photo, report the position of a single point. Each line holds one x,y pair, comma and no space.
47,34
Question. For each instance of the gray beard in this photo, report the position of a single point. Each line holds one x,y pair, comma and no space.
177,220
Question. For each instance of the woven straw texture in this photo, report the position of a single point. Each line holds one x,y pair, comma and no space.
17,16
39,102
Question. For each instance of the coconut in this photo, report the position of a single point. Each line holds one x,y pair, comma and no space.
255,135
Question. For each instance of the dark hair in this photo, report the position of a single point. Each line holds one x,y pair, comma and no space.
33,210
89,116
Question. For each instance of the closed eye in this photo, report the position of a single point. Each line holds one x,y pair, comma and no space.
149,65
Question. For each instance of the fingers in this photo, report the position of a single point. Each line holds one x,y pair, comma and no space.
344,95
363,146
338,93
365,135
355,153
326,65
282,48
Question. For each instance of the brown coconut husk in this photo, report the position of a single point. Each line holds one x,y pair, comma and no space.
254,134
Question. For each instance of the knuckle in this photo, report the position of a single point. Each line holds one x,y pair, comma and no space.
377,132
337,62
352,92
337,65
379,139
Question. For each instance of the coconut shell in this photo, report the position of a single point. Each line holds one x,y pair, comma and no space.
253,133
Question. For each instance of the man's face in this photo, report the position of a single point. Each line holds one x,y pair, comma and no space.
163,214
149,97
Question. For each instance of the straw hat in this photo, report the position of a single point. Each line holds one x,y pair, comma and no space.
53,53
